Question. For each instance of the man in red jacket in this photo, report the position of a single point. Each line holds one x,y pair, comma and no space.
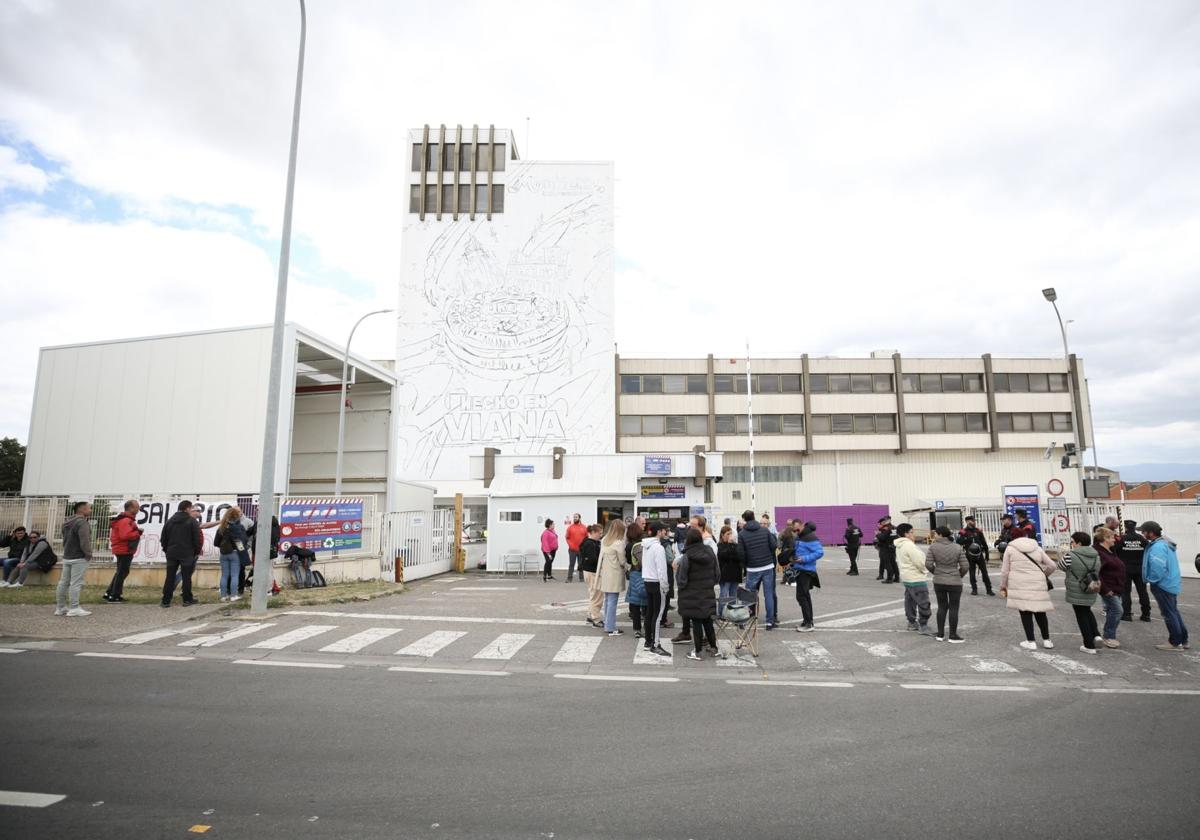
123,536
576,533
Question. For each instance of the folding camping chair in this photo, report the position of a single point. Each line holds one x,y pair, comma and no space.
741,634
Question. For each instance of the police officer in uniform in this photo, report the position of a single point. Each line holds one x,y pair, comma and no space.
975,545
1130,548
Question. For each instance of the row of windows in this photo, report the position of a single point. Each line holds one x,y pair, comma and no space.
1036,422
943,383
458,155
1037,383
664,383
853,424
764,424
771,475
464,206
658,424
916,424
838,383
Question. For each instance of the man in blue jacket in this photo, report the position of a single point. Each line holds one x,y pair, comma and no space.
1160,568
756,548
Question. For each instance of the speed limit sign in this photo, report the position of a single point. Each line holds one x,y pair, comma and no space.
1061,524
1054,487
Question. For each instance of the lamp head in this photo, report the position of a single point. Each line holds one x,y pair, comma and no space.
1050,294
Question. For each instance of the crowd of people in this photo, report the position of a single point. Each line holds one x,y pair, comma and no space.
652,565
181,542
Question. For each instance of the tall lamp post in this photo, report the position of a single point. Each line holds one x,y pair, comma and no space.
341,441
266,488
1072,389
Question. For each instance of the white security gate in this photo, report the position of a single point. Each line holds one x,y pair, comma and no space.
421,541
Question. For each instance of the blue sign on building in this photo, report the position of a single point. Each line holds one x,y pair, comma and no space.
1024,497
522,468
657,465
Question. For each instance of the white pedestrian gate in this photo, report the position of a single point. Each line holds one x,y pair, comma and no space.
421,541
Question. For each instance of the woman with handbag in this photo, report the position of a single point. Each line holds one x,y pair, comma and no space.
230,540
612,568
1112,583
1023,576
1082,567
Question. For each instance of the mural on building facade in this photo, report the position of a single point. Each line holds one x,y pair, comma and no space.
506,327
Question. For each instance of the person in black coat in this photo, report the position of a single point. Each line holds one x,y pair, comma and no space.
730,563
975,546
182,543
787,545
885,541
853,537
1130,548
696,577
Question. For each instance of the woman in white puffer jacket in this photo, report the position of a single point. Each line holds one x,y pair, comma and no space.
1023,577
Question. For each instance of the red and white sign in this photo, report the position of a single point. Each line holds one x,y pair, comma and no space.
1054,487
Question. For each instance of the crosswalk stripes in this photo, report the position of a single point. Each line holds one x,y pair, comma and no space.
152,635
578,649
642,656
733,658
1065,665
290,638
504,646
990,666
855,620
216,639
812,655
431,644
355,643
881,650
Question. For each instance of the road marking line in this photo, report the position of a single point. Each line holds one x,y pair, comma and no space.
283,663
504,646
845,612
447,619
152,635
991,666
455,671
641,656
944,687
292,636
209,641
852,620
812,655
29,800
150,656
355,643
881,649
607,678
578,649
483,589
1185,691
12,650
1065,665
793,683
431,644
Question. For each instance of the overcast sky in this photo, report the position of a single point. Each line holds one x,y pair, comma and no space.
829,178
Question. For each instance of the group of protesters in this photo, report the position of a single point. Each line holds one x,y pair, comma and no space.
653,565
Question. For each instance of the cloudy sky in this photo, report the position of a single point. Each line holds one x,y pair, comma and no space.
828,177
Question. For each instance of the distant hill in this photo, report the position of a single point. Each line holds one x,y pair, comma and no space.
1159,472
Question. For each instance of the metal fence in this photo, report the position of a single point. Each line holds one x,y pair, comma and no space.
1057,525
46,514
421,541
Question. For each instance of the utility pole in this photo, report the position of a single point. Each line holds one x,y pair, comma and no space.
263,575
750,418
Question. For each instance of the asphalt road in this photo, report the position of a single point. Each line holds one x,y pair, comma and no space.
147,748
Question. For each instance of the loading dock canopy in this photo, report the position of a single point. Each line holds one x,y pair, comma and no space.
600,476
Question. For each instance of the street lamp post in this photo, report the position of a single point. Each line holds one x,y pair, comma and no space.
1072,389
341,439
266,487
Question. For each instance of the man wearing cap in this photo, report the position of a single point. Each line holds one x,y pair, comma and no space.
975,546
1160,568
1130,548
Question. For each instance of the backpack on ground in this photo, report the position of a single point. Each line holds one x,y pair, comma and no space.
318,579
47,559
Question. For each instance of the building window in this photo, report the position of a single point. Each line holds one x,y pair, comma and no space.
973,383
511,515
730,383
414,198
631,424
950,423
765,474
820,424
657,425
860,383
652,424
881,383
789,383
854,424
766,383
885,424
674,383
912,383
697,383
1036,422
818,383
793,424
676,424
942,383
770,424
652,384
697,424
726,424
631,384
841,424
1038,383
952,383
1058,382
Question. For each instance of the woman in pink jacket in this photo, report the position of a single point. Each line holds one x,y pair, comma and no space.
549,549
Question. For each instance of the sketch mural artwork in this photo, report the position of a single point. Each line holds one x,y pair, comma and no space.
506,326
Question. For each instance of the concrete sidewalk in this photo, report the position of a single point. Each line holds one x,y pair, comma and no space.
38,621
